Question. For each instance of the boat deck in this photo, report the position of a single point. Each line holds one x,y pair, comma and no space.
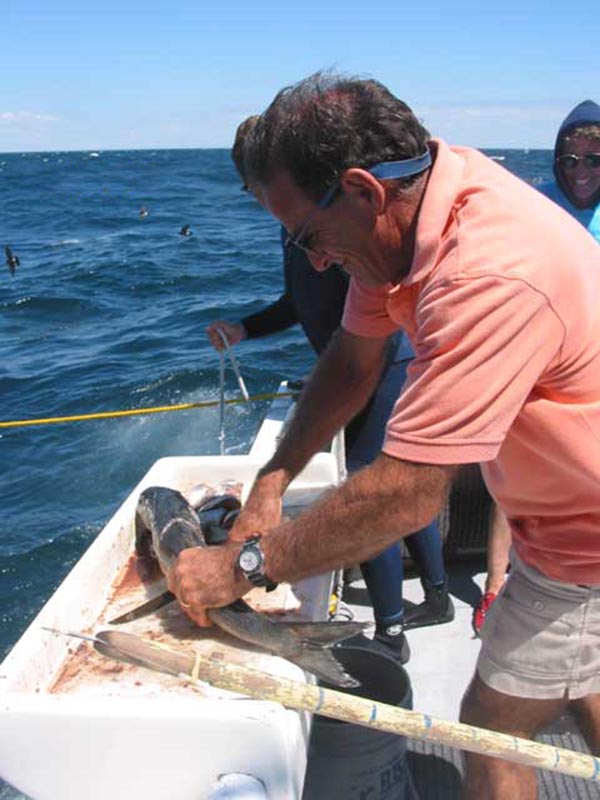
441,664
440,668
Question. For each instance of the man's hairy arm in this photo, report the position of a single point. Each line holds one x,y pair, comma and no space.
344,379
377,506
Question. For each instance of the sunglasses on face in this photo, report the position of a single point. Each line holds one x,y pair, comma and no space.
302,240
569,161
387,170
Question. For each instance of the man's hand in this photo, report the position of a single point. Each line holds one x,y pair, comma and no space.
261,511
234,331
206,577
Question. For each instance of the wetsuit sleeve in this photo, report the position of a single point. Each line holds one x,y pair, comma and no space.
279,316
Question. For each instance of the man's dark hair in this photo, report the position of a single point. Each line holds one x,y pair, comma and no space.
237,151
325,124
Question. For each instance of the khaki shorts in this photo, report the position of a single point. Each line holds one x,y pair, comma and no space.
541,638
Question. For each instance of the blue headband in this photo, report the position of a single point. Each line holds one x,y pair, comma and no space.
401,169
387,170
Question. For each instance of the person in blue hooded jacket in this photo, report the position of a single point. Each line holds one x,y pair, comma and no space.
315,300
576,187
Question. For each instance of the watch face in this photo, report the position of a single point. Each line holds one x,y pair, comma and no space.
249,560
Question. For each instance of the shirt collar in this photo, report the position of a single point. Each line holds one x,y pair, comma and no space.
438,201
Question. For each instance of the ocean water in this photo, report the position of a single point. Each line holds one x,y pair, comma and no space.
107,311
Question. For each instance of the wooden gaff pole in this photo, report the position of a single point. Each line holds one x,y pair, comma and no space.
341,706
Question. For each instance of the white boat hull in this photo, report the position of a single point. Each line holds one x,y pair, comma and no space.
75,725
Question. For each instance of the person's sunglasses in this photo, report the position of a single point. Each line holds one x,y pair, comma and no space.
300,239
569,161
387,170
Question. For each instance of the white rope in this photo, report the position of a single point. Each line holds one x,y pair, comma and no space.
234,364
240,381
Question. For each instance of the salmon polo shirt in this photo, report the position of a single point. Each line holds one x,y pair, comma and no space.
502,304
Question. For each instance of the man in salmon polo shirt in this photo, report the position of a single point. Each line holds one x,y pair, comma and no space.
499,290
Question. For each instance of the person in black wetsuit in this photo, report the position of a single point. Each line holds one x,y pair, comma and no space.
315,300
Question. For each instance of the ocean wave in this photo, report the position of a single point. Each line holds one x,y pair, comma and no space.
61,547
50,307
65,242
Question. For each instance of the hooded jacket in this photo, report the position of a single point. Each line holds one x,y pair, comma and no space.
583,114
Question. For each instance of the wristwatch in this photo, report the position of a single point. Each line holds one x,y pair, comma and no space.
251,562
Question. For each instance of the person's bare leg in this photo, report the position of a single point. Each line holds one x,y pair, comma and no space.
587,713
493,778
498,547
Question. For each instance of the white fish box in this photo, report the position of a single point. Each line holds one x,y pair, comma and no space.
76,725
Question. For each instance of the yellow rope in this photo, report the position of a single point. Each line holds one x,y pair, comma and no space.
136,411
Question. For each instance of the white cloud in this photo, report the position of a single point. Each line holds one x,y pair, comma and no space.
23,118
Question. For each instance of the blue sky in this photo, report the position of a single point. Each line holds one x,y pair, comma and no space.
130,74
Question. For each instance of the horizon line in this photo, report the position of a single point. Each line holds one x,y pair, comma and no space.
162,148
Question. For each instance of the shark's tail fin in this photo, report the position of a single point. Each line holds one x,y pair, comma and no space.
315,654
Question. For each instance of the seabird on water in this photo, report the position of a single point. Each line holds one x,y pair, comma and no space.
11,260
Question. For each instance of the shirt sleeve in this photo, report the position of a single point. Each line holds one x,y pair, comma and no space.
482,347
365,311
